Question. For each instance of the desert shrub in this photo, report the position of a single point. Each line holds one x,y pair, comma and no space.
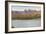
26,16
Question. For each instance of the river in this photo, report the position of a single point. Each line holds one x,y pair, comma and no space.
26,23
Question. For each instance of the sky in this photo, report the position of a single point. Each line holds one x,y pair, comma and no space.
21,8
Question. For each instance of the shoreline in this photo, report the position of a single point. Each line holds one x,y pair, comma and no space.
26,19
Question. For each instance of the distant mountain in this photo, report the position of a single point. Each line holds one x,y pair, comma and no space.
25,12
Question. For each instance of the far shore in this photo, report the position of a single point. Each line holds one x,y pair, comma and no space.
25,15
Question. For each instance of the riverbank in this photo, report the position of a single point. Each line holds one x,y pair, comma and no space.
26,15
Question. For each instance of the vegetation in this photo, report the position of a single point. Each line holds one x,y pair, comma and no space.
26,15
29,16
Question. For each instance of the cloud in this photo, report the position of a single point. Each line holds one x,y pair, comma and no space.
22,8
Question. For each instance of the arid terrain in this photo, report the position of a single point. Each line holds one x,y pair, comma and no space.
30,14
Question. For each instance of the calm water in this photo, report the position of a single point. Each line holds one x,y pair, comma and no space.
26,23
